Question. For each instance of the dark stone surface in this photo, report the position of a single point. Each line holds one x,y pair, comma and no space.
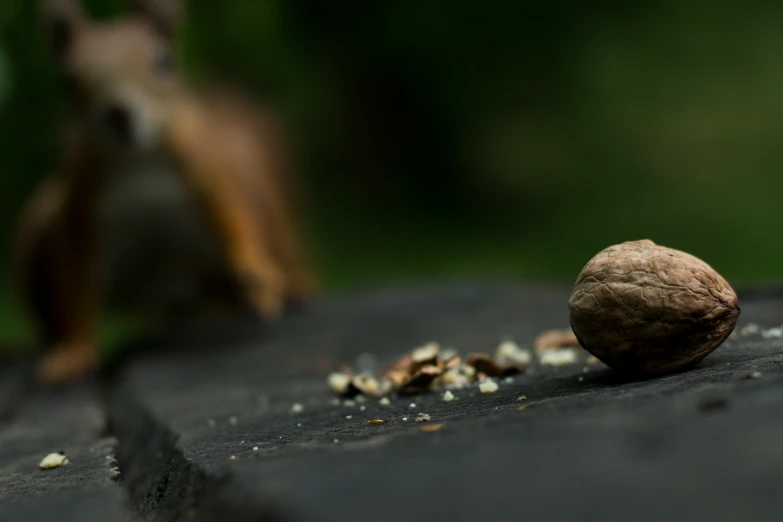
591,445
43,422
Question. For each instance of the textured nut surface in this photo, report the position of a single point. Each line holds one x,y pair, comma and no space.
642,307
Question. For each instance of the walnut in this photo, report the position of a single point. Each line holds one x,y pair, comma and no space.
642,307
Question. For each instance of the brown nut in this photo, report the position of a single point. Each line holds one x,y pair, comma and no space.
642,307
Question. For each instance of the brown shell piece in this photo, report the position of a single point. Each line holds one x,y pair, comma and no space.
420,381
641,307
554,339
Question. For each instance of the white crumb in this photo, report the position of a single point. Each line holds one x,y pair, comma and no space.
423,417
339,382
297,408
54,460
508,352
750,329
384,401
448,396
488,386
558,357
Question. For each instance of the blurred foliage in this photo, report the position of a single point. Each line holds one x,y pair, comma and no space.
446,139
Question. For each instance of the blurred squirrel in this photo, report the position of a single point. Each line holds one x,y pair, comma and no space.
166,201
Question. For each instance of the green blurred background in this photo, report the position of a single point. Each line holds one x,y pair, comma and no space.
463,139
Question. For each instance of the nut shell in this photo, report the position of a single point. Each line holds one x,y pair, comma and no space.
641,307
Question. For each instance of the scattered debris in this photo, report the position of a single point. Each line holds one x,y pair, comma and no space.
448,396
581,378
422,417
377,421
297,408
558,357
522,408
336,441
428,367
349,417
751,375
429,428
488,386
348,403
362,407
255,448
772,333
412,406
233,421
384,401
405,418
114,473
54,460
232,457
522,398
592,360
554,340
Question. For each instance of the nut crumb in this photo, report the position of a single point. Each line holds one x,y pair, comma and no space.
488,386
377,421
384,401
554,339
523,398
422,417
54,460
522,408
558,357
750,329
448,396
429,428
349,417
339,382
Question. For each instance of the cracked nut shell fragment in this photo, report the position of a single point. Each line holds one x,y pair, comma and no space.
645,308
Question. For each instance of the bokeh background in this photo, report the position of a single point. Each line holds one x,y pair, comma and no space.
463,139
